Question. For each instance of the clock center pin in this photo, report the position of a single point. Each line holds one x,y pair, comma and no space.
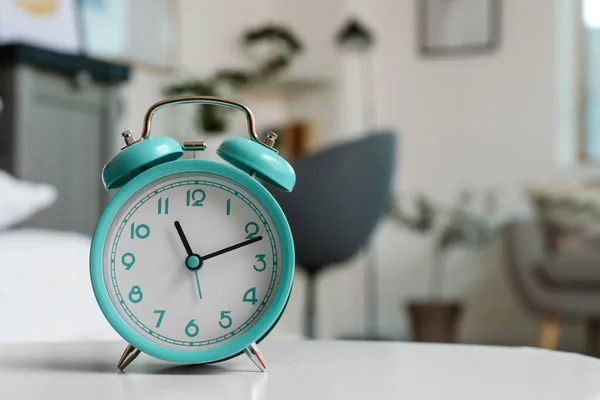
194,262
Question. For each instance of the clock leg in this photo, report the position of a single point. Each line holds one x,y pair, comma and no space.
128,356
254,354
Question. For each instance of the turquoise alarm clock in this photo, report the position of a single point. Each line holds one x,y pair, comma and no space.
193,260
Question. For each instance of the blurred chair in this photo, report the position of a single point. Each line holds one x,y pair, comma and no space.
554,285
340,195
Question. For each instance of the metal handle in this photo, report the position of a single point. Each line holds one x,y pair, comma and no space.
215,101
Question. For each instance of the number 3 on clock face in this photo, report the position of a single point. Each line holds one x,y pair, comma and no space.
194,265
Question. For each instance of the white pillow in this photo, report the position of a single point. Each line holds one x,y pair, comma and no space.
20,200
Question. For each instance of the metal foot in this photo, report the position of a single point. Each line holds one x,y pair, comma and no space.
253,353
128,356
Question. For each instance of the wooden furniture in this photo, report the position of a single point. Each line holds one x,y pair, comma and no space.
549,332
553,285
303,370
58,112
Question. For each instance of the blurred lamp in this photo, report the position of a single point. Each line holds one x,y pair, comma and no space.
354,36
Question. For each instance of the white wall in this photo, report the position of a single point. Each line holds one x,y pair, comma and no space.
472,121
475,121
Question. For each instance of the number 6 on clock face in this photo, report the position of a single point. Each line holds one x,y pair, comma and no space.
196,262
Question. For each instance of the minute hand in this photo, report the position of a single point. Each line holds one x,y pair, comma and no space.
231,248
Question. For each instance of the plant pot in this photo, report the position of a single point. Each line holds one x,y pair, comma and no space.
435,321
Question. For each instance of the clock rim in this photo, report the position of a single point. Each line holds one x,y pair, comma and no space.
227,350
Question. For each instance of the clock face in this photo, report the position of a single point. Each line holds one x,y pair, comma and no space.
192,261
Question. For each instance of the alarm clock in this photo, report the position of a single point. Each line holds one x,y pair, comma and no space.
192,261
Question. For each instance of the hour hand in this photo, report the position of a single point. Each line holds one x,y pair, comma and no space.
193,262
184,240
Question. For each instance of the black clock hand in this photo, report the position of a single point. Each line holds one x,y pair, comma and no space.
184,240
193,261
231,248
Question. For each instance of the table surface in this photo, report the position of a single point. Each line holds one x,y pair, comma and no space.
302,370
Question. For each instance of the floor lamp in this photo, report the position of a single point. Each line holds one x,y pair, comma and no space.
356,38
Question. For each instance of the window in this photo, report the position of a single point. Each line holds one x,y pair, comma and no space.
591,79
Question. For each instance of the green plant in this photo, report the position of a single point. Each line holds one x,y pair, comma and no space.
455,226
211,119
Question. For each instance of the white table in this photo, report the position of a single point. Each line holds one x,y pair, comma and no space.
303,370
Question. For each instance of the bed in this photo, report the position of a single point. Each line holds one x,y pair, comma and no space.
45,290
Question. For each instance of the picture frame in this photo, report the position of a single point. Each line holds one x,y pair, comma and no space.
458,27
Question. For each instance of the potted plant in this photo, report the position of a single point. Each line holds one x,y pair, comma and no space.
278,48
464,224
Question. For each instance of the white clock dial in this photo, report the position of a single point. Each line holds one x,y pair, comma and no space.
182,301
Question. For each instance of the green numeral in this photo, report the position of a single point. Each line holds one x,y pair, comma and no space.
136,295
128,260
191,329
160,203
160,317
228,206
251,229
250,296
142,231
260,258
225,316
195,198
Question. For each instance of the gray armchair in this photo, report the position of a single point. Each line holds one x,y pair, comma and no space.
340,195
555,286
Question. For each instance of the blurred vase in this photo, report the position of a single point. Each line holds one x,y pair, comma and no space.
435,321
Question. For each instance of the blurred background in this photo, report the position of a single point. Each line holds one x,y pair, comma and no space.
465,133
